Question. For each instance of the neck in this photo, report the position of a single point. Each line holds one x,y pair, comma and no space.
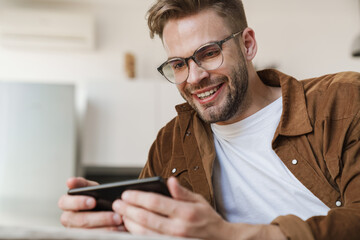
258,96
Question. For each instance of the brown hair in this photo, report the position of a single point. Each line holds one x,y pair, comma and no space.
164,10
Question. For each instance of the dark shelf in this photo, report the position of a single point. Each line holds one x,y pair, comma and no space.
110,174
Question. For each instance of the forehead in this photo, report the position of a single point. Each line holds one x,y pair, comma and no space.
181,37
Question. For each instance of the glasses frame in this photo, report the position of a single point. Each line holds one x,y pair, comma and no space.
186,60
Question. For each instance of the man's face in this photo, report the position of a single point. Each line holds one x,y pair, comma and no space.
224,88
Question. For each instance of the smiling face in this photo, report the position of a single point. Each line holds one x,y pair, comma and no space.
220,95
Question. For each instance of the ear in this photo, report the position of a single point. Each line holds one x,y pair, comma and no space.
249,42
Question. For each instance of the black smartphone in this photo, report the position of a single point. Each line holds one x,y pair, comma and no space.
106,194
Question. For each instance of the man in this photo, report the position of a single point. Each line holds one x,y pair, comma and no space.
277,158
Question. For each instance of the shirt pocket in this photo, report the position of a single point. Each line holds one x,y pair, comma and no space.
177,168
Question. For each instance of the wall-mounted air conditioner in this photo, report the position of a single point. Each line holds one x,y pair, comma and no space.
49,28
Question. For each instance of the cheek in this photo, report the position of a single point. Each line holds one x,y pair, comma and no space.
234,59
234,64
224,70
182,89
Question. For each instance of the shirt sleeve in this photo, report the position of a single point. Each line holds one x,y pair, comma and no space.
149,169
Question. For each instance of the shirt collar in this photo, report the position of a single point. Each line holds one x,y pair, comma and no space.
294,119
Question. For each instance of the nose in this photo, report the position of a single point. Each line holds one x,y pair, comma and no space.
196,73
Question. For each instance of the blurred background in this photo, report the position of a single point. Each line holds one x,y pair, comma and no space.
80,94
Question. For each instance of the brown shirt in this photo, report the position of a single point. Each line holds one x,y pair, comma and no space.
319,128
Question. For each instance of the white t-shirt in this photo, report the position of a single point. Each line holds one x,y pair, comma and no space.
251,183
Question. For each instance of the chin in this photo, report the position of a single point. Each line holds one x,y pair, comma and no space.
210,117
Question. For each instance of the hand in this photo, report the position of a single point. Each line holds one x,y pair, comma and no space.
185,215
75,214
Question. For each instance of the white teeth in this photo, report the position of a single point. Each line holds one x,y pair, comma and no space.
208,93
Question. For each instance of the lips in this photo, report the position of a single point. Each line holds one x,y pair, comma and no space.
208,94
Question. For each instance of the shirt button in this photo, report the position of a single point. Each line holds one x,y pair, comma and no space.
338,203
174,170
294,162
196,168
188,133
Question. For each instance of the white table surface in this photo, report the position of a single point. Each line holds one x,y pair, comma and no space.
61,233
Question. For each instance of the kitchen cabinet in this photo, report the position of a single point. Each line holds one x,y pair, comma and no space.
121,120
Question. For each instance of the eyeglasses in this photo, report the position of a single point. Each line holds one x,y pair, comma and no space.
208,57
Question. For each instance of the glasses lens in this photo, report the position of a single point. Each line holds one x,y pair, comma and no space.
209,56
175,70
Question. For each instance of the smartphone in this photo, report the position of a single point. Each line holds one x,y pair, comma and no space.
106,194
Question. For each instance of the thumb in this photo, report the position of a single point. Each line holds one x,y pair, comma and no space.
76,182
180,193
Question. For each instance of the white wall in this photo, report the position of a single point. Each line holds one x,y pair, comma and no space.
120,28
305,38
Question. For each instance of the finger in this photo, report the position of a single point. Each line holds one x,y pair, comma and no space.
135,228
141,216
76,203
180,193
141,221
153,202
90,219
76,182
164,205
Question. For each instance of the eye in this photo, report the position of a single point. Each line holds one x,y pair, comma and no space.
177,65
208,52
